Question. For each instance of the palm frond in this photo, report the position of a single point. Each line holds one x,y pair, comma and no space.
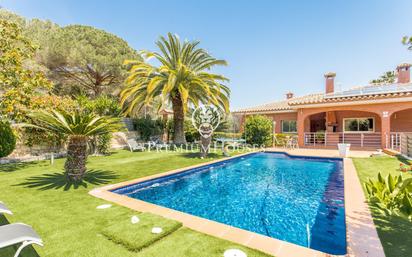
76,123
183,72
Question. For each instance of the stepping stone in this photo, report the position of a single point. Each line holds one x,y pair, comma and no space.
234,253
135,219
157,230
103,206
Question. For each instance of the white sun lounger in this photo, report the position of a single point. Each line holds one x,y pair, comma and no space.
18,233
4,209
134,146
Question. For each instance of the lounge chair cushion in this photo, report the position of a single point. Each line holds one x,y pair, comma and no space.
133,145
16,233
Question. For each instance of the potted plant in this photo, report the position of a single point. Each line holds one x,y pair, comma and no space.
405,168
343,149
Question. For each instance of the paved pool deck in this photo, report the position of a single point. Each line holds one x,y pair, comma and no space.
362,237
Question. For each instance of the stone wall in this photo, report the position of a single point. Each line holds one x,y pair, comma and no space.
41,152
119,140
128,123
23,150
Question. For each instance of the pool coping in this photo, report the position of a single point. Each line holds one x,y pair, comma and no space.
361,235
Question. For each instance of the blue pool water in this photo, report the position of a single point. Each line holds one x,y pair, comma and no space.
295,199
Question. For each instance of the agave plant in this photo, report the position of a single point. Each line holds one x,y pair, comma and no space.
79,127
183,79
392,195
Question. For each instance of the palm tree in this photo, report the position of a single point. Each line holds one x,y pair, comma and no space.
387,77
182,78
79,127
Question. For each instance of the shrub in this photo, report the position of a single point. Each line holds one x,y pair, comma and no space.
7,139
281,139
391,195
102,105
32,136
191,133
320,136
258,130
103,143
147,127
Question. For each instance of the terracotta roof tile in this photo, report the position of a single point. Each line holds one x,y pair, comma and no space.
365,93
275,106
369,92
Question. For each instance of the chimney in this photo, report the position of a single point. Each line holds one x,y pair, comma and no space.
404,72
330,84
289,95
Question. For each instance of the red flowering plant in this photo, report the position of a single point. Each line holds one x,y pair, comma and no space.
405,167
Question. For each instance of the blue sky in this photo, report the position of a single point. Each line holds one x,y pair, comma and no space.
271,46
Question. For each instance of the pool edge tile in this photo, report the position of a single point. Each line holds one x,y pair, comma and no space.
362,236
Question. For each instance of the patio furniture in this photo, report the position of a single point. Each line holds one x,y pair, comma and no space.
232,142
18,233
155,142
292,142
134,146
295,142
162,145
149,145
4,209
277,141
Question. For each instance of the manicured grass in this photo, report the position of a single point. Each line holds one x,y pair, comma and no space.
395,232
66,217
137,236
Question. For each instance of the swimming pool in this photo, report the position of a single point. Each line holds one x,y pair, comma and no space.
295,199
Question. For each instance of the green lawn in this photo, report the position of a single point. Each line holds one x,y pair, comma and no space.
395,233
67,219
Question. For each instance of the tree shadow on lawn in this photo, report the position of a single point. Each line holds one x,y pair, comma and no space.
10,167
28,251
395,234
58,180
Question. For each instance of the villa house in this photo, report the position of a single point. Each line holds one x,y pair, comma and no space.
368,117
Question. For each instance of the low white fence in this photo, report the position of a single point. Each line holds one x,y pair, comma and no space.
369,140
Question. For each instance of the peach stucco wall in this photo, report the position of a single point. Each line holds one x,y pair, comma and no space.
402,121
383,110
340,115
278,117
389,117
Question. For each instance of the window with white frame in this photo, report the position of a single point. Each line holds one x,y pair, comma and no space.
359,125
289,126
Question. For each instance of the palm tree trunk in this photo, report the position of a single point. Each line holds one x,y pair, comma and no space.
179,119
75,165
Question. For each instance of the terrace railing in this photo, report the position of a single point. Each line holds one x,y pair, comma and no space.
397,140
367,140
406,144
